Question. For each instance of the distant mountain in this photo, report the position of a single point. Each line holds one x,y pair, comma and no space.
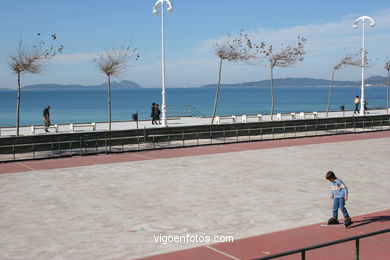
124,84
304,82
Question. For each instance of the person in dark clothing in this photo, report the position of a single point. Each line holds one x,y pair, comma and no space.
153,114
365,106
157,113
46,118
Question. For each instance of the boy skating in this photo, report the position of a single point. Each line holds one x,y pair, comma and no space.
339,195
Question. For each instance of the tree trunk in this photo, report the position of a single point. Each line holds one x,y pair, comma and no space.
330,93
109,103
387,90
217,92
272,91
18,107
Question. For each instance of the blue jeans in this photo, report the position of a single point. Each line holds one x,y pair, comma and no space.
356,108
339,203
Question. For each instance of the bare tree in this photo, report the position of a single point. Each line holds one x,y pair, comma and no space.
287,56
113,63
233,49
27,59
387,67
348,60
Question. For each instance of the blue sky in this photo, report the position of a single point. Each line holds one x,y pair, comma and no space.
89,26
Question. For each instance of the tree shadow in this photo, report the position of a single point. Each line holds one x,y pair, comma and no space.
369,220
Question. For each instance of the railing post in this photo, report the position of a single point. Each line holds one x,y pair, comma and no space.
261,133
303,256
306,128
183,140
138,141
105,142
273,132
81,148
59,146
357,248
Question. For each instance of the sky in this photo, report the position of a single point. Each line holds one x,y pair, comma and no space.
88,27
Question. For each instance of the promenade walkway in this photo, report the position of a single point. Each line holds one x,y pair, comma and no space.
113,206
175,121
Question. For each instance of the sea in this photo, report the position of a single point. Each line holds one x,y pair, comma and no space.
76,106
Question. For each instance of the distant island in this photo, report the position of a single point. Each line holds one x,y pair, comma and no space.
285,82
303,82
124,84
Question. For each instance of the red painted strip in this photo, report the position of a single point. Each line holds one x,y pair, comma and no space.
377,247
181,152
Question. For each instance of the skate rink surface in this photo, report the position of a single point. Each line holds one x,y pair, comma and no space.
270,196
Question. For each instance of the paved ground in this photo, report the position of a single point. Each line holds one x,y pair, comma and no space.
112,207
375,247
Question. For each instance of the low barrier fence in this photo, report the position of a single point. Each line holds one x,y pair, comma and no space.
90,143
304,250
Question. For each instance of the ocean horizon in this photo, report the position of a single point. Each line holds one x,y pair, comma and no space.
76,106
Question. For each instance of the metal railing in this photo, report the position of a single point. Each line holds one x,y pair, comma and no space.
303,250
184,110
80,144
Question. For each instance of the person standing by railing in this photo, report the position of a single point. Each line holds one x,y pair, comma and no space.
357,102
157,113
46,118
153,114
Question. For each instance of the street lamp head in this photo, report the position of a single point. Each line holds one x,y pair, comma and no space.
170,6
355,26
155,11
363,19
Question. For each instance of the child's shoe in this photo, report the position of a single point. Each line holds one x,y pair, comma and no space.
333,221
347,222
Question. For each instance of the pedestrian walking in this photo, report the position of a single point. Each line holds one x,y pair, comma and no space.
365,106
153,114
357,102
157,113
46,118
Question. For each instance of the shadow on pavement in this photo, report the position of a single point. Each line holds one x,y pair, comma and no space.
369,220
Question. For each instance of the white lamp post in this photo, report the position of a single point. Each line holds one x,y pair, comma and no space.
355,26
155,11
